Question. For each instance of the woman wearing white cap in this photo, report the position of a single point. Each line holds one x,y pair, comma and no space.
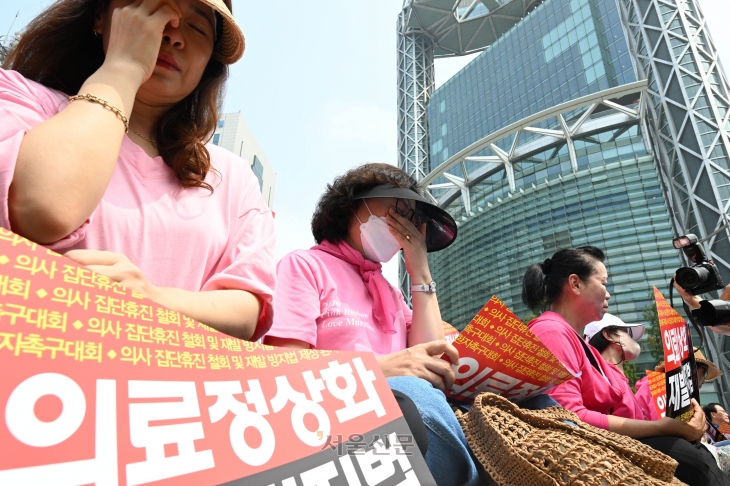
615,339
106,108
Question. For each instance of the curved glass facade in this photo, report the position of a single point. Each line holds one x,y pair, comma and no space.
563,50
613,201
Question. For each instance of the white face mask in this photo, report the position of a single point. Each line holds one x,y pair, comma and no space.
377,242
632,349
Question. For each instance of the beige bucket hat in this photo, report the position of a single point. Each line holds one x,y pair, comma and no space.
231,44
713,372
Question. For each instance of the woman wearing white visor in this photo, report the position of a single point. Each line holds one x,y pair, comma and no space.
615,339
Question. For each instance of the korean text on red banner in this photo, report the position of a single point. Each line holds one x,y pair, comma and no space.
656,382
679,364
102,386
450,332
499,354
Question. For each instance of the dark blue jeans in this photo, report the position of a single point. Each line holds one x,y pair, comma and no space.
448,456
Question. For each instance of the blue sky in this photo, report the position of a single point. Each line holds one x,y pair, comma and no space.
317,86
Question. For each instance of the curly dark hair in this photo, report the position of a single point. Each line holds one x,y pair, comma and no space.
60,51
334,211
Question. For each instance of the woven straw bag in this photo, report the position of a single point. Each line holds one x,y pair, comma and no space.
537,448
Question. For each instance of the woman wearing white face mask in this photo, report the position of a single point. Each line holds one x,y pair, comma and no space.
334,296
614,339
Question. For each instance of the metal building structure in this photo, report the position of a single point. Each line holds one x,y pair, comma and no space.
415,85
689,121
6,43
438,28
684,112
577,118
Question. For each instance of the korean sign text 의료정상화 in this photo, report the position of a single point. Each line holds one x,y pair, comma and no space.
102,386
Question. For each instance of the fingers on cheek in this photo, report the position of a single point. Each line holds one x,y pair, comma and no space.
395,232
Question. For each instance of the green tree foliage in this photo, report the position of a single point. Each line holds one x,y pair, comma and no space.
630,373
653,336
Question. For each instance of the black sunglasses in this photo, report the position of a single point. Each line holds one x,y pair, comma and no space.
415,216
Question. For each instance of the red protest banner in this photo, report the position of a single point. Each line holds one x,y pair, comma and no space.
658,389
679,363
102,386
499,354
450,332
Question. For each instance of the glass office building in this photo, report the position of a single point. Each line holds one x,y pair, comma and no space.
608,195
561,51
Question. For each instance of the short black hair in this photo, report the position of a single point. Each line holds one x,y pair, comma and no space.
710,408
336,207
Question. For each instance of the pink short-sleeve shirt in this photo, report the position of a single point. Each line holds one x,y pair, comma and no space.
322,300
594,393
645,400
184,238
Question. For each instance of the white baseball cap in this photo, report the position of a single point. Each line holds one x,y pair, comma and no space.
635,330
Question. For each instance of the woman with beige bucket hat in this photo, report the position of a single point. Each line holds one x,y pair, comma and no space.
107,107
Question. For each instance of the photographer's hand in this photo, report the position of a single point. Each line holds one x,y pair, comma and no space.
692,301
723,330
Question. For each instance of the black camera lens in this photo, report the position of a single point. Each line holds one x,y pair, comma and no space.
691,277
712,313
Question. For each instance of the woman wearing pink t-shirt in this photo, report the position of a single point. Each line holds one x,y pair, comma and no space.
334,296
570,291
106,107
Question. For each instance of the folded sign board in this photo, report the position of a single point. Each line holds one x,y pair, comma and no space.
679,361
499,354
102,386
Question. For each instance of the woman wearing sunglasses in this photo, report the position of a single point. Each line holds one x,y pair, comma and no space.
106,108
334,296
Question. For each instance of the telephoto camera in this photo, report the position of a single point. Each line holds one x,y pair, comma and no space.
702,276
712,313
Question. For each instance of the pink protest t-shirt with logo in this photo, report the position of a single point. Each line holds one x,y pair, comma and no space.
185,238
322,300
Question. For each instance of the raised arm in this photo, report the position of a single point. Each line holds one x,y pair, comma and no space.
65,163
426,325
